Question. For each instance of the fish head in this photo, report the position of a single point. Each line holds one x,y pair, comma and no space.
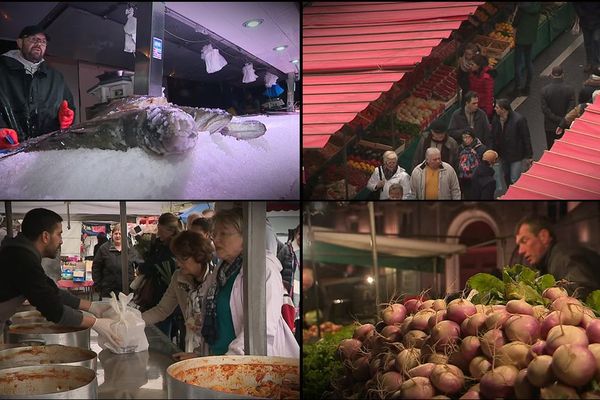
168,130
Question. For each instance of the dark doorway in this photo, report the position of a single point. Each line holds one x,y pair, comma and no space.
477,259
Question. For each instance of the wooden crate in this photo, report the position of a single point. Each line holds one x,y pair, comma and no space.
491,47
383,147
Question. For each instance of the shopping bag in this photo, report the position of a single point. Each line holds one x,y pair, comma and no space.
128,324
576,29
288,311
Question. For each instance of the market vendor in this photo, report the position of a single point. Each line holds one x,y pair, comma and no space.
34,98
24,277
384,176
538,245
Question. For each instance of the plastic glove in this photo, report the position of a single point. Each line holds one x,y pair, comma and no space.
98,308
8,138
65,115
103,327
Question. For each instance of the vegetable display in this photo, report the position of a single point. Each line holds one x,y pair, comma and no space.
521,337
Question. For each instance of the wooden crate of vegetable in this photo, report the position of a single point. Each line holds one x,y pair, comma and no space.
493,48
522,336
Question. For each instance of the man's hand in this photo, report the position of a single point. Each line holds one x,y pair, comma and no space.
98,308
102,326
379,185
8,138
559,131
65,115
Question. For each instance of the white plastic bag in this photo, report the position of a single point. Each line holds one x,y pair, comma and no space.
214,61
576,29
249,74
130,31
270,79
128,325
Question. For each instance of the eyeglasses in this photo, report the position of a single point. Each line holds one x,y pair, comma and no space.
35,40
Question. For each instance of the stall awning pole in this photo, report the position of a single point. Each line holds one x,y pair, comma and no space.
290,92
374,252
311,239
9,219
124,249
149,54
255,278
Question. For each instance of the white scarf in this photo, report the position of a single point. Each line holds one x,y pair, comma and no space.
30,67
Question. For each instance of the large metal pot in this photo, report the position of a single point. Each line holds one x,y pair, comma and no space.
28,317
48,333
48,382
50,354
234,377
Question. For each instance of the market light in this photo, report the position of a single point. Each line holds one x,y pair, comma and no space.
253,23
370,280
295,61
280,48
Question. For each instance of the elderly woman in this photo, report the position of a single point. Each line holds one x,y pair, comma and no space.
158,268
389,173
223,327
106,268
188,286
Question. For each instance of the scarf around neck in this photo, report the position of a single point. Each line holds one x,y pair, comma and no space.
30,67
226,271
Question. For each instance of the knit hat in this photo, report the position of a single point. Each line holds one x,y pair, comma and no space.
490,156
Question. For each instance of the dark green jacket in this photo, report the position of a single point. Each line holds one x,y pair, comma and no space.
29,105
526,22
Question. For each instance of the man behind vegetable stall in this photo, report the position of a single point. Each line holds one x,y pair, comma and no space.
538,245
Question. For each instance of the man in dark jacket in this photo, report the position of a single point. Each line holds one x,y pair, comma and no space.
578,265
589,21
470,116
438,138
512,140
23,277
558,98
34,98
526,27
483,184
106,268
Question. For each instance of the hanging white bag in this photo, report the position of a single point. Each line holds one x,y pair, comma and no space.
128,325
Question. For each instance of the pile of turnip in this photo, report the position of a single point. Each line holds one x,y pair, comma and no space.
424,349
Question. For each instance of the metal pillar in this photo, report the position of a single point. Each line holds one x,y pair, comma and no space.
374,253
290,92
149,48
124,249
255,278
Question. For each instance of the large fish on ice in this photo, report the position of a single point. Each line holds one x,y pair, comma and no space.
151,123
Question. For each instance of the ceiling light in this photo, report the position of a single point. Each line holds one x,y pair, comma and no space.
253,23
295,61
280,48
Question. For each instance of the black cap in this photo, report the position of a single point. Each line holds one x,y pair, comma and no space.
438,126
33,30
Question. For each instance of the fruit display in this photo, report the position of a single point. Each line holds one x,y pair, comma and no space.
367,166
419,111
504,31
326,327
521,337
440,85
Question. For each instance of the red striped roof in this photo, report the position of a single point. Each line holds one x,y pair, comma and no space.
570,170
354,52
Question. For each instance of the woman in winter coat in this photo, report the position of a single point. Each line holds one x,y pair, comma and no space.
470,154
482,83
483,184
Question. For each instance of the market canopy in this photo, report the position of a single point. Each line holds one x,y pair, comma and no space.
570,169
355,248
353,52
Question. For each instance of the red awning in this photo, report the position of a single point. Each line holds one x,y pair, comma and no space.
569,171
353,52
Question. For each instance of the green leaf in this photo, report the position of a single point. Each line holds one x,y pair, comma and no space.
527,275
593,301
485,283
544,282
522,291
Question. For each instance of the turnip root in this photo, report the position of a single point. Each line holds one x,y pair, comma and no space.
349,349
482,308
473,324
363,331
458,359
412,305
439,304
440,397
523,388
591,395
417,388
479,366
540,312
595,349
460,309
421,319
491,341
428,304
554,293
513,353
405,325
574,365
470,395
539,371
593,331
394,314
496,319
438,317
360,369
499,382
538,347
407,359
550,321
414,338
523,328
391,381
391,332
437,358
519,307
560,302
470,347
558,391
571,314
588,316
565,334
448,379
423,370
444,333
